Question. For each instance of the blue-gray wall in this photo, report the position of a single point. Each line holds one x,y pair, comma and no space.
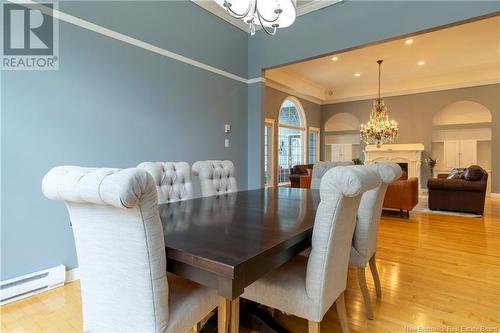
113,104
345,25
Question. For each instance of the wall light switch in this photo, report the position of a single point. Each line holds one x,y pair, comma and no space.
227,128
226,143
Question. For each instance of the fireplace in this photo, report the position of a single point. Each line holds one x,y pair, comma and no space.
408,156
404,166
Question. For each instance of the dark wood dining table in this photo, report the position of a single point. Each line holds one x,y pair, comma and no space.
229,241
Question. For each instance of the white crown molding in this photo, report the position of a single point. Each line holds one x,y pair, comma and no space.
418,91
278,86
212,7
132,41
315,5
291,88
298,84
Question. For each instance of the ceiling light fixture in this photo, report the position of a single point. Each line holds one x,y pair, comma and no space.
335,58
379,129
357,74
409,41
421,63
270,14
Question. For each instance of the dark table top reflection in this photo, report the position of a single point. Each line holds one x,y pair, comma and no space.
232,233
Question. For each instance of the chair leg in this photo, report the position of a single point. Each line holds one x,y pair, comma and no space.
376,278
314,327
365,293
342,314
234,325
223,315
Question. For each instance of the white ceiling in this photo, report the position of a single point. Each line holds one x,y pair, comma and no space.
463,55
303,7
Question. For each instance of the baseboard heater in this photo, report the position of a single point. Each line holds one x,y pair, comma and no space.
31,284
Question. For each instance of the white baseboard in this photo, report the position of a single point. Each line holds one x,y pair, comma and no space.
495,195
72,275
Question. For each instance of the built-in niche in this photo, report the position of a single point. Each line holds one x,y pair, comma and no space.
461,136
341,141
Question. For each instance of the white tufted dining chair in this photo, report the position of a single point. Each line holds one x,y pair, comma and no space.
216,177
308,286
320,168
364,243
121,253
172,179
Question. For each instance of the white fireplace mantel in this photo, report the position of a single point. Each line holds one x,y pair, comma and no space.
397,153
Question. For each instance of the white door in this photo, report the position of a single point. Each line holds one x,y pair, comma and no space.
451,154
336,152
468,153
341,152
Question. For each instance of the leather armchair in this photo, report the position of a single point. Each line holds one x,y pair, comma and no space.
402,194
300,175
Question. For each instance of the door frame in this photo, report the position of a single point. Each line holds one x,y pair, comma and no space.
271,169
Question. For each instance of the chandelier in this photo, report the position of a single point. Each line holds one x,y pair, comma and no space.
379,129
270,14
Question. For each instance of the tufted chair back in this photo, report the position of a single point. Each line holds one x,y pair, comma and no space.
320,168
119,244
364,243
172,179
216,177
341,190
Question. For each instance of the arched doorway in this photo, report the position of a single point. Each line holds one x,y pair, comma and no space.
291,138
462,136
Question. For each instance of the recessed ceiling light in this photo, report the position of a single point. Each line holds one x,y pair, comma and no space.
357,74
421,63
409,41
335,58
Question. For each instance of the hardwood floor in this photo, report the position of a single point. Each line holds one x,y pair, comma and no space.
435,270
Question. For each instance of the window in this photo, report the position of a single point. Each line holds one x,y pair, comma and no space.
313,144
291,138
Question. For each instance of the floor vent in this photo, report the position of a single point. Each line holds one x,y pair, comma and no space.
31,284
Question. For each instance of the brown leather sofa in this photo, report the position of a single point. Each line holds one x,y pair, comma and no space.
300,175
458,194
402,194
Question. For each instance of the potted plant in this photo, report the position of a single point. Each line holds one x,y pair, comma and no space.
357,161
431,163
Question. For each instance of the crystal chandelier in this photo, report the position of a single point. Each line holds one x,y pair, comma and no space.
270,14
379,129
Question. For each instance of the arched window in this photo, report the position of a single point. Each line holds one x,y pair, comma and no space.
291,137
